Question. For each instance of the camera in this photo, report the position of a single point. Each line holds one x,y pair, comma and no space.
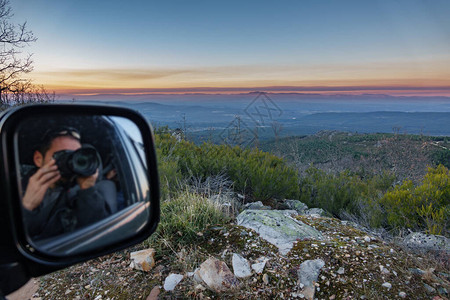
82,162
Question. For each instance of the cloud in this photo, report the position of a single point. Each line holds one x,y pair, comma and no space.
115,74
431,76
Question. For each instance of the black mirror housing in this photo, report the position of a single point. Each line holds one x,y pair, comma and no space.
125,144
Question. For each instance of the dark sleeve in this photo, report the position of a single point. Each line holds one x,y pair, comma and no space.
90,206
36,221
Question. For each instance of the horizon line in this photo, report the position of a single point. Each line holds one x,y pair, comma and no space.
420,91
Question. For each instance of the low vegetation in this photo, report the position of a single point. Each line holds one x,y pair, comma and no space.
257,174
405,155
183,219
375,199
194,227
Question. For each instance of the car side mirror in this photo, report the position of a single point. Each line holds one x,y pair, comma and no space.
78,182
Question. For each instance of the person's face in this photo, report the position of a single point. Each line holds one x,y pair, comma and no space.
58,144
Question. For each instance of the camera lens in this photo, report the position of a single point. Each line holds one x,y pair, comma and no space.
85,161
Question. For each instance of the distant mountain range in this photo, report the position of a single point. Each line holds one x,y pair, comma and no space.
296,114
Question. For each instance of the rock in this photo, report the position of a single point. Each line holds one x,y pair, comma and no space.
241,266
442,290
143,260
429,288
289,212
171,281
307,274
402,295
265,279
421,242
256,205
296,205
276,228
259,266
315,212
383,270
216,275
197,277
341,271
387,285
154,294
417,271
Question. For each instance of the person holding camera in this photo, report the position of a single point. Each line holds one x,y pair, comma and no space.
62,192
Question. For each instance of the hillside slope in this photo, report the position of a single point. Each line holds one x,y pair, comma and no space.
354,265
406,156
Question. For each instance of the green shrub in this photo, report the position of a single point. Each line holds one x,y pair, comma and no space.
345,192
426,206
441,157
258,174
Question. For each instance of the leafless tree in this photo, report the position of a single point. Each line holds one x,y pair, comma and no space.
14,63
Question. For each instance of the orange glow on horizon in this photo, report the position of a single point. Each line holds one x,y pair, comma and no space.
430,78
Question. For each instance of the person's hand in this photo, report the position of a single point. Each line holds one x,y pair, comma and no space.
38,184
111,174
87,182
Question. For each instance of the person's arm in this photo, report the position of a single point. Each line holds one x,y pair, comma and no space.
87,182
38,184
90,204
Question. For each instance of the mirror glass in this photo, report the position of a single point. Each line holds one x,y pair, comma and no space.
83,181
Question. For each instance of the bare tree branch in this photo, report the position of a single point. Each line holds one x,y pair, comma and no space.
14,64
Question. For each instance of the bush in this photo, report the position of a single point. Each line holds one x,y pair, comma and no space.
441,157
260,175
345,192
426,206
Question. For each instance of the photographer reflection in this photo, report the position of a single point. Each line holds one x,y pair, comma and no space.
62,193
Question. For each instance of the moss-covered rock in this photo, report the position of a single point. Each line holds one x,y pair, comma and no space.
277,228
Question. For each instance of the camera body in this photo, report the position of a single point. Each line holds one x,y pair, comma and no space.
82,162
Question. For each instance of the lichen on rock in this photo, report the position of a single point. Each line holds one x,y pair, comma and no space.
277,228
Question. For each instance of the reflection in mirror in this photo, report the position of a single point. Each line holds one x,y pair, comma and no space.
83,181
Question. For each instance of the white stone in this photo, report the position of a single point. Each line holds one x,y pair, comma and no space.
307,274
387,285
143,260
259,266
216,275
171,281
241,266
341,271
402,294
197,277
383,270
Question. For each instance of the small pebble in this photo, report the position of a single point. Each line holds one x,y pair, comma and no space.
402,294
387,285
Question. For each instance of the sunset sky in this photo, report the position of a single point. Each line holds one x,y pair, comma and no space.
137,47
